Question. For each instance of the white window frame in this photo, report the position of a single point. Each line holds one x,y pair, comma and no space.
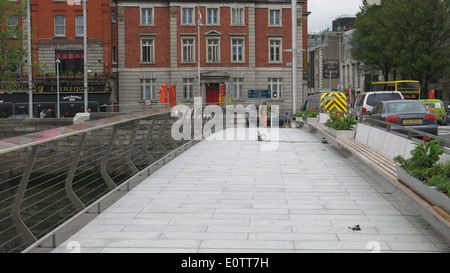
188,49
213,50
188,88
237,16
148,89
210,18
190,19
79,25
272,19
240,46
148,18
275,86
60,26
238,88
151,46
13,22
272,57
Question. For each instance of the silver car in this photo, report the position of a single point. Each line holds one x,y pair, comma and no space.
364,102
408,113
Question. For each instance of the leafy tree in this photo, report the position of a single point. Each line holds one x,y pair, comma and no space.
420,40
370,40
407,37
12,37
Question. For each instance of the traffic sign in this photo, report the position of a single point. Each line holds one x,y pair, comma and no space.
148,102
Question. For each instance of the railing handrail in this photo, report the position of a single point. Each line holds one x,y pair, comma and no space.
365,118
28,140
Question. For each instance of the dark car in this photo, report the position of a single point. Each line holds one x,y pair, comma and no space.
409,113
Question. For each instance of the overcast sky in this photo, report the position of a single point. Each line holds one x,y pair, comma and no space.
323,12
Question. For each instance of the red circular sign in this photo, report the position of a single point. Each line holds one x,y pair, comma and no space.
147,102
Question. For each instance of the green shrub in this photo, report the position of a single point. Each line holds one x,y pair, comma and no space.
424,165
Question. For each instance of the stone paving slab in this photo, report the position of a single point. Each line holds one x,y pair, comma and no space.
230,196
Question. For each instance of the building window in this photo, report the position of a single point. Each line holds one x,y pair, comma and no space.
148,89
113,16
213,50
188,88
212,16
275,87
188,52
275,50
238,88
114,54
147,16
187,16
274,17
237,16
13,23
72,62
237,50
60,25
147,51
79,26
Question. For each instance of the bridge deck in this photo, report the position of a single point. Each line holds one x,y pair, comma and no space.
230,196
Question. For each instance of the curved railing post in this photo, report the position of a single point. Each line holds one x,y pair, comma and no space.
25,233
76,202
108,180
131,144
150,158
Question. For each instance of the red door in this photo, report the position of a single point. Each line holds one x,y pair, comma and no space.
212,94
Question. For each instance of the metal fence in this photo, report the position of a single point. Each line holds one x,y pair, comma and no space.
49,177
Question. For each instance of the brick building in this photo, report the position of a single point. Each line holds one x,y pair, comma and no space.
57,29
241,44
140,45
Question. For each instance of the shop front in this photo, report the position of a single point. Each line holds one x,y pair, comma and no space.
45,97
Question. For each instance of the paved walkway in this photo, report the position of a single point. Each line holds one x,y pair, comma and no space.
229,196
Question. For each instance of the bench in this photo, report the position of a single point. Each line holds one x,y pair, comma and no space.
385,166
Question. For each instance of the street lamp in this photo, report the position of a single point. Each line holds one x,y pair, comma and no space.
199,23
30,68
57,88
85,57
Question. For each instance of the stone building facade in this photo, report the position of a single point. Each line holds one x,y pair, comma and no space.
241,45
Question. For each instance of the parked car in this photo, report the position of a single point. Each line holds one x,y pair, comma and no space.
438,108
448,113
409,113
365,102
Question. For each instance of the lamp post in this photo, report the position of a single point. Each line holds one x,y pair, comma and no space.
85,57
30,68
199,22
57,89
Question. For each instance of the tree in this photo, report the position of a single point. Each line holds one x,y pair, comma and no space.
12,37
420,40
370,40
408,37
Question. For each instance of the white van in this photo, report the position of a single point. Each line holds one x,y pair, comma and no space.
365,102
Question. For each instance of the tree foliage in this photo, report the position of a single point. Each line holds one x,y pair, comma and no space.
407,38
12,37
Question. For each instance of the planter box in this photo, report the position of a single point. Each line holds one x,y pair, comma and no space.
429,193
299,118
323,117
341,133
316,119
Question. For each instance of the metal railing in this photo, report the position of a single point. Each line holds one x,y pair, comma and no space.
402,131
49,177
